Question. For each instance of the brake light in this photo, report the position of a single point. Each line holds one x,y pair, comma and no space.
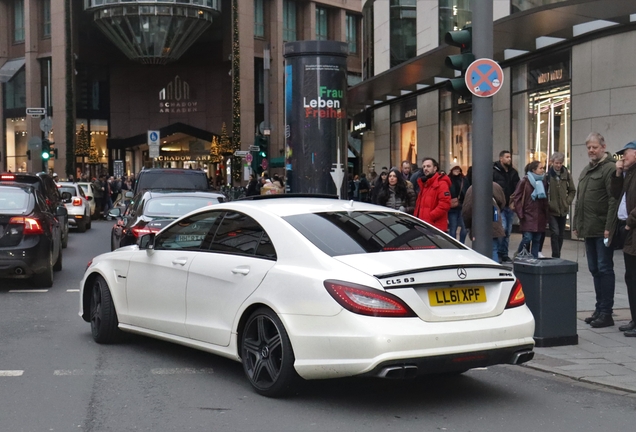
77,201
31,226
517,297
7,177
138,232
367,301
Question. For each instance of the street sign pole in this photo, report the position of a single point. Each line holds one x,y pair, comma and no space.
482,135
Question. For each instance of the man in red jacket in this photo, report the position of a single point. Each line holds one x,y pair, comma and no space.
433,200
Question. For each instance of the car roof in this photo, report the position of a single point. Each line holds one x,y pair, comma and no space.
301,205
183,170
67,184
156,193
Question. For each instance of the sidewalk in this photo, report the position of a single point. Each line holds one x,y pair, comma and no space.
603,356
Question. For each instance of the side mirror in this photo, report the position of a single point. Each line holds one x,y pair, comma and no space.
66,196
61,211
128,194
114,212
147,241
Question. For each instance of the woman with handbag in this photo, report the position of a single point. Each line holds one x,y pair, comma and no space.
455,219
532,207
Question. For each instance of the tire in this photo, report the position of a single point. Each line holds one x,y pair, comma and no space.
58,264
45,279
103,317
81,226
90,222
65,239
267,354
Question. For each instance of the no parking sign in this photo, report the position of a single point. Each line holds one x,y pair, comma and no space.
484,77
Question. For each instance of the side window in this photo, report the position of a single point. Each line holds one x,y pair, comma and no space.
240,234
41,202
189,233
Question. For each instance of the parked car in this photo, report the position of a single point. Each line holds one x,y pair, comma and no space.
313,288
153,210
30,235
170,178
43,183
79,211
89,192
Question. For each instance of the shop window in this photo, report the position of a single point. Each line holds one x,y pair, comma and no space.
289,20
455,133
18,21
322,28
352,34
16,144
453,16
259,20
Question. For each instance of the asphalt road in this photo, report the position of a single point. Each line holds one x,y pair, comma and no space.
53,377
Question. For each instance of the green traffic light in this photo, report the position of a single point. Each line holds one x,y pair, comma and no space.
45,155
262,154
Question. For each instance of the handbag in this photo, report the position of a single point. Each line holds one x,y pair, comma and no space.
620,234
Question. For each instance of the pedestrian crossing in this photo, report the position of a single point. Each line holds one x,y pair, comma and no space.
111,372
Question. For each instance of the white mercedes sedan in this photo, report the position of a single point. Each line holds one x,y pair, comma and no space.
312,288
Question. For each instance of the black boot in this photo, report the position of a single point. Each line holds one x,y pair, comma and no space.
628,327
603,320
592,318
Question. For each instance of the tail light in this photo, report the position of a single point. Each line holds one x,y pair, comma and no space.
138,232
517,297
77,201
31,226
367,301
7,177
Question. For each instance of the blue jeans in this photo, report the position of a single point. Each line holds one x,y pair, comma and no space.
600,261
531,241
455,220
495,249
507,216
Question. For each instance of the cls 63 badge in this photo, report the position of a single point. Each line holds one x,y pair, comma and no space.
400,281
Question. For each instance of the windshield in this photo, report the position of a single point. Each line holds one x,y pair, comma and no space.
173,207
347,233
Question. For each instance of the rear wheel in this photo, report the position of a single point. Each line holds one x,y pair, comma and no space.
102,312
268,358
58,263
81,226
65,237
89,223
45,279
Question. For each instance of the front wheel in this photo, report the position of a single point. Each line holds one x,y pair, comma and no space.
104,323
268,358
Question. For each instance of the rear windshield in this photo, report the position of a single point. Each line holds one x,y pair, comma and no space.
68,189
177,179
348,233
176,206
14,200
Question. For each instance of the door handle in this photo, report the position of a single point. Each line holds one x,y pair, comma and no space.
180,261
241,270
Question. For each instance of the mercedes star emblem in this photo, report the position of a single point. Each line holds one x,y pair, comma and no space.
461,272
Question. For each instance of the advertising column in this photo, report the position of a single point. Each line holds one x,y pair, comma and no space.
315,117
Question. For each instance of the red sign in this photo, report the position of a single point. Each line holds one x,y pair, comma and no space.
264,164
484,77
249,158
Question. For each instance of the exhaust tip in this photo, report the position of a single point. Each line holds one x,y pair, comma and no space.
522,357
398,372
19,271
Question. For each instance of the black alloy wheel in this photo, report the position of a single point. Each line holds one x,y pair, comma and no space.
104,323
267,355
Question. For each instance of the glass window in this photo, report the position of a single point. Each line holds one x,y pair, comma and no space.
46,18
322,28
289,20
367,45
259,21
403,31
240,234
189,233
174,207
453,16
352,34
16,144
15,91
18,20
14,200
522,5
347,233
455,133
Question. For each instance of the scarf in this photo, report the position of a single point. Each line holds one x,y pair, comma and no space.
537,184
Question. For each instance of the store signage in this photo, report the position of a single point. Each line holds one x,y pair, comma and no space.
184,158
408,108
361,123
548,71
175,97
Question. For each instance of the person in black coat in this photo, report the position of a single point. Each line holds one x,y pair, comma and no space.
252,186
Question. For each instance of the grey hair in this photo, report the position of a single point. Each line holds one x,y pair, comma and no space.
557,156
595,136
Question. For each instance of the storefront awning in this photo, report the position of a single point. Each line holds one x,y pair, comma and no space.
10,68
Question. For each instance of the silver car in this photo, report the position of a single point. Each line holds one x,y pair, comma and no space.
77,205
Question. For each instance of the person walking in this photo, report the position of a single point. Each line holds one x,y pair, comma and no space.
561,193
252,188
396,194
433,201
98,196
594,219
375,190
507,177
498,202
624,191
532,207
455,219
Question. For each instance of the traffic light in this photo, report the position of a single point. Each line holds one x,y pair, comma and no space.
262,143
464,40
46,149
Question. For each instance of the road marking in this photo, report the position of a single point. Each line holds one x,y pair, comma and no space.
179,371
72,290
157,371
29,291
82,372
11,373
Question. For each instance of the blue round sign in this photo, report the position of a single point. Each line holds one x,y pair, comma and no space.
153,136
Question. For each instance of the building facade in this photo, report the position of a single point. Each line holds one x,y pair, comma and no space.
203,73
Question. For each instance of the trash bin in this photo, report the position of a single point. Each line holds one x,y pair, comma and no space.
550,289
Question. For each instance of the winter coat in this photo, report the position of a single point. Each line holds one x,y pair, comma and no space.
252,188
561,191
457,187
626,185
387,198
433,201
595,209
533,214
467,210
508,180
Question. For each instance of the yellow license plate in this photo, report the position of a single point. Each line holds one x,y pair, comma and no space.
459,295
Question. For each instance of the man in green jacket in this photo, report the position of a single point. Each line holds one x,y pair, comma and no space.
594,220
561,192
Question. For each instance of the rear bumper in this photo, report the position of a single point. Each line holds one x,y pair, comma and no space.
25,261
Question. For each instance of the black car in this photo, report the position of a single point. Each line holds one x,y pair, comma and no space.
30,235
150,211
171,178
43,183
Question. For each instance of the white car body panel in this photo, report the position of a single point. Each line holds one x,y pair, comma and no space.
89,192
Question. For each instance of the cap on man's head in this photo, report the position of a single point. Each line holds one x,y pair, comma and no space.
629,145
54,174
